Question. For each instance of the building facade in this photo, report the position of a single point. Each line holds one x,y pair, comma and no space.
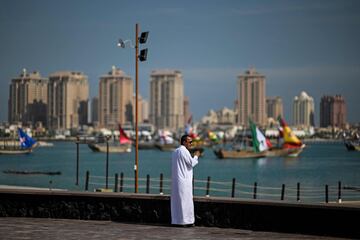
226,116
210,118
145,111
95,111
303,110
274,107
166,99
115,99
251,98
187,114
28,98
332,111
68,95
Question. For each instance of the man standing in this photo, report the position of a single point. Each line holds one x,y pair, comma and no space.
182,163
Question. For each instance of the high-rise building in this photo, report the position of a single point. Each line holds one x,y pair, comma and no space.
167,99
187,114
83,112
141,116
95,110
332,111
28,98
303,110
274,107
115,99
68,95
145,111
251,98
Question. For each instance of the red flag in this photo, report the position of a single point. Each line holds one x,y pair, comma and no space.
123,138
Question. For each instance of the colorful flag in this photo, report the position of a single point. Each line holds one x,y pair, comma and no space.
123,139
289,137
25,140
259,140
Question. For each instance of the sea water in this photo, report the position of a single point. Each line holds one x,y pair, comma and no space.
317,165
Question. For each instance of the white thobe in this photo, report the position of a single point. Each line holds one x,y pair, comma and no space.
182,205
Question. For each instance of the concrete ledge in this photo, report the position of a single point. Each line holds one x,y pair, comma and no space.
317,219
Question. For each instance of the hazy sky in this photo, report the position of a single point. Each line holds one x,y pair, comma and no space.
310,46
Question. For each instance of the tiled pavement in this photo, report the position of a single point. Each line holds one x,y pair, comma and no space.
43,228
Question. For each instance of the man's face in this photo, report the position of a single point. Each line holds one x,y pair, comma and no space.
188,142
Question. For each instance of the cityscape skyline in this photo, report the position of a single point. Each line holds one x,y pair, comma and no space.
61,102
298,46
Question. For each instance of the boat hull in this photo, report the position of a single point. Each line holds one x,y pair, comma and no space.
284,152
234,154
146,145
13,151
352,145
274,152
166,147
123,148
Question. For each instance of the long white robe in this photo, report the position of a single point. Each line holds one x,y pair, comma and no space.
182,205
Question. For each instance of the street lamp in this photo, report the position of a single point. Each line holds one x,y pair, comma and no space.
142,57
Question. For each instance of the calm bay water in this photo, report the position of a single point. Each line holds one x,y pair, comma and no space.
319,164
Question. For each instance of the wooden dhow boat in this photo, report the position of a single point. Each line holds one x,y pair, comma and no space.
24,145
103,144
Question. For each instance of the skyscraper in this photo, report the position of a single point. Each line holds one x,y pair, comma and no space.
274,107
251,98
68,94
145,111
141,104
332,111
303,110
28,98
115,99
95,110
187,114
167,99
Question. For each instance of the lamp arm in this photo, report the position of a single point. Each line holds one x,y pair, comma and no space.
130,43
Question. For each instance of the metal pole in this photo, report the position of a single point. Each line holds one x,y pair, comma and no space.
107,162
148,183
298,192
339,192
77,161
282,192
116,182
136,106
208,187
121,181
326,193
233,188
161,184
87,180
255,187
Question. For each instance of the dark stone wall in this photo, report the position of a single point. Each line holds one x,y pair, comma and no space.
86,206
321,219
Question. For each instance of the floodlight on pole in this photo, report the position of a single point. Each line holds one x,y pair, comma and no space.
143,37
143,55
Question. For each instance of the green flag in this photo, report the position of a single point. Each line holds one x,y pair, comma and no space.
256,143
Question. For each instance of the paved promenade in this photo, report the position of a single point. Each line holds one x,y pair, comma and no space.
43,228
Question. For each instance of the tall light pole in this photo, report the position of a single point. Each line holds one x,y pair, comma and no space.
142,57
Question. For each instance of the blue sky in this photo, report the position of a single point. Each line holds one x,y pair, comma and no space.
310,46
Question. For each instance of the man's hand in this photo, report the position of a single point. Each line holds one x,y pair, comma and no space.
197,153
